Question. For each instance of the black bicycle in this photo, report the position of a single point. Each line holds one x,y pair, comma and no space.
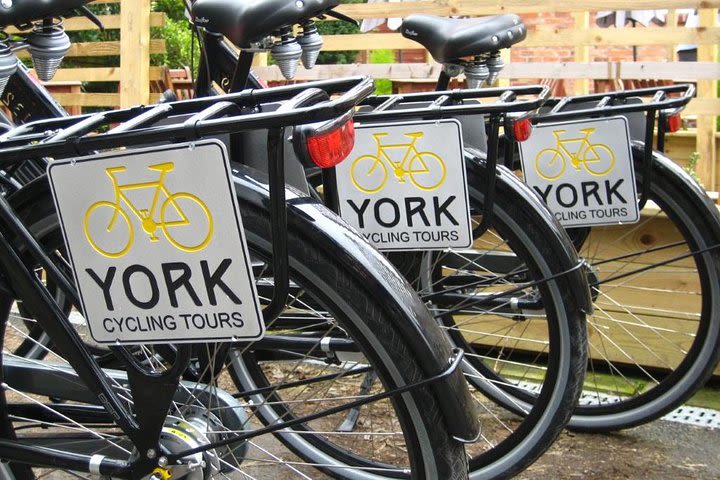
544,286
335,313
621,389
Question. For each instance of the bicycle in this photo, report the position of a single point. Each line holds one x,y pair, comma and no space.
190,241
425,170
596,158
461,283
192,426
532,293
612,399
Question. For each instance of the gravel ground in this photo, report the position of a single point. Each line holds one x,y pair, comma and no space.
660,450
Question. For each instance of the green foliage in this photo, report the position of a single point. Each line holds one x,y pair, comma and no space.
338,28
177,35
691,167
383,86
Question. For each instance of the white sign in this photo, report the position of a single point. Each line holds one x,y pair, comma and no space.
157,245
404,186
583,170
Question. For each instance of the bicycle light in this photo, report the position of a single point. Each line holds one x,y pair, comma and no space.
47,47
8,65
325,143
673,123
522,128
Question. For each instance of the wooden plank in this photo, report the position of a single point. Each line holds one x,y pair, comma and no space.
88,99
99,49
677,71
100,74
134,53
111,100
545,38
386,70
475,8
110,22
519,70
582,52
703,106
706,125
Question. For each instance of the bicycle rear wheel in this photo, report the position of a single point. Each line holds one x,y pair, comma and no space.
335,333
523,331
514,303
655,334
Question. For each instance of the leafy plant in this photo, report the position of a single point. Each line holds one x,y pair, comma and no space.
691,167
383,86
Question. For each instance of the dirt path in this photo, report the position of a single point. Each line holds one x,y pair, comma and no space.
661,450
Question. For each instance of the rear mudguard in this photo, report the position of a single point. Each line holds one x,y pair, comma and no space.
412,319
553,235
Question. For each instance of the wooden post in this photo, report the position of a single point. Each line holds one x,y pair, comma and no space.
134,52
706,124
671,21
582,53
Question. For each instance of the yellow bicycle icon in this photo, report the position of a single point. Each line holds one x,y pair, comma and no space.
184,219
426,170
596,158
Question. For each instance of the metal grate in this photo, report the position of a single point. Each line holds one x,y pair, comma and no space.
703,417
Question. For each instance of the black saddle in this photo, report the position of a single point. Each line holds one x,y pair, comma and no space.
448,39
247,21
24,11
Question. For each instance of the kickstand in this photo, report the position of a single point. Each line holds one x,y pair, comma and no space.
348,425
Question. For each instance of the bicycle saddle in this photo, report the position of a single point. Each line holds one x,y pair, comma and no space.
448,39
247,21
23,11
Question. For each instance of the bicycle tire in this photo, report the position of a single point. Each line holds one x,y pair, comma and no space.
511,441
621,389
529,233
367,320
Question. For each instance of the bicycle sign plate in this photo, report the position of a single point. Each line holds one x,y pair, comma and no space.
404,187
583,170
157,246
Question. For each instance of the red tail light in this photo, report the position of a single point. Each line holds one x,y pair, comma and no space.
673,123
327,148
522,128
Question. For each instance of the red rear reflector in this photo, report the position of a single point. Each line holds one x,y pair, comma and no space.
673,123
522,129
330,148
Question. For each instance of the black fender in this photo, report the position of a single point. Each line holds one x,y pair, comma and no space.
413,320
553,235
670,171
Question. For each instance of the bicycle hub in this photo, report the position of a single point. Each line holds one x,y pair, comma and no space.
286,53
8,65
311,43
47,46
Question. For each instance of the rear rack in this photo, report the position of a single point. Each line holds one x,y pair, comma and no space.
271,109
652,102
500,105
136,126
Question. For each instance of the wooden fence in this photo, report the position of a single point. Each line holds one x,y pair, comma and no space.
133,72
581,36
